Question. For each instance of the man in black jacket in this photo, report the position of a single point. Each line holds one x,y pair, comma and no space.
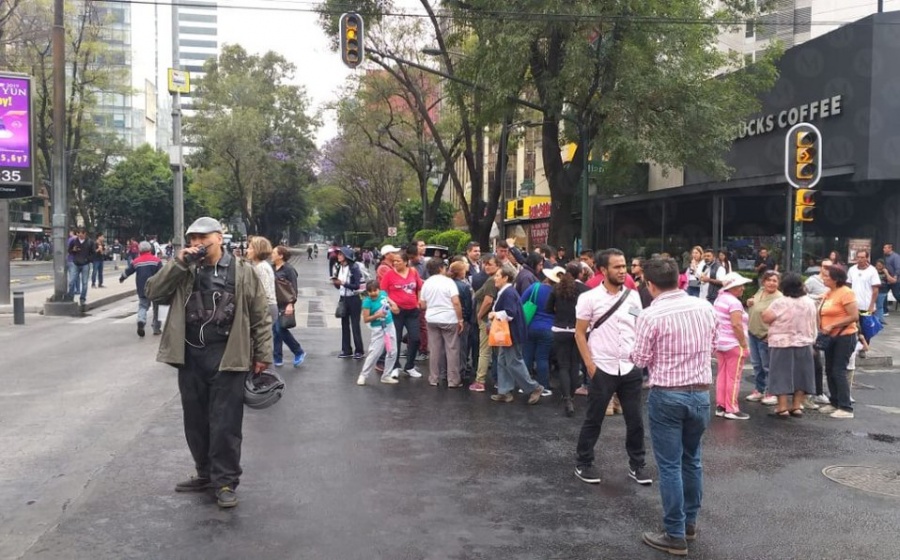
81,251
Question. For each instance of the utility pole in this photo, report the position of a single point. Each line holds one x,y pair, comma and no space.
175,153
58,304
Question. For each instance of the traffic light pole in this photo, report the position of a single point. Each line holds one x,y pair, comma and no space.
789,229
802,170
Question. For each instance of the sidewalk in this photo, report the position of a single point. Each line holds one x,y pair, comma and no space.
96,297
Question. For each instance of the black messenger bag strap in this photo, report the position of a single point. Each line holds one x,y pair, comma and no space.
612,309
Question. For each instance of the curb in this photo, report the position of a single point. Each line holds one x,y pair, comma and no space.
94,304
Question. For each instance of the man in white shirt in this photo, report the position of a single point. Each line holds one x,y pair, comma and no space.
863,278
606,352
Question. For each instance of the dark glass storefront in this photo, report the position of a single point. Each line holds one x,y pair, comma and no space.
850,100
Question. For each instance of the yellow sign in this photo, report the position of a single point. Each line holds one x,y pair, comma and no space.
528,208
179,81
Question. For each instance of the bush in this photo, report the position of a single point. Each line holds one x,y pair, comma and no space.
426,235
452,239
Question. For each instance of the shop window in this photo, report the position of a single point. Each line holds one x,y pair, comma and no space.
748,31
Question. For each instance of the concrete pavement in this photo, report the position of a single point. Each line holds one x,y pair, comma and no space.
93,444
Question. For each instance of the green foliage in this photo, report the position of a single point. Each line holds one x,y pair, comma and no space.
426,235
455,240
135,198
411,214
643,80
255,140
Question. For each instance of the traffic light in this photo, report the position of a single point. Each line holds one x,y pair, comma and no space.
353,51
803,158
804,205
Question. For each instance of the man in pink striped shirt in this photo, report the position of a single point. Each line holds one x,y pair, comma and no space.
675,340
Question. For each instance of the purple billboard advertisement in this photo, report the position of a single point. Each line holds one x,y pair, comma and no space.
16,138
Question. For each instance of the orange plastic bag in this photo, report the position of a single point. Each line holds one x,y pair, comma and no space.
499,334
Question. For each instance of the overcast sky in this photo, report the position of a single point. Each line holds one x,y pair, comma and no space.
298,37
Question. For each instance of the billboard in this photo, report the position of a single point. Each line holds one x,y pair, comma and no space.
16,137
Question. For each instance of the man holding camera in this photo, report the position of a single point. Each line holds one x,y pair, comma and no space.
218,329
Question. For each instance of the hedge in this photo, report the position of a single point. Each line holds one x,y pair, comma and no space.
453,240
427,235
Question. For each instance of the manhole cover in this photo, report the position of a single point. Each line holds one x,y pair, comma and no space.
878,480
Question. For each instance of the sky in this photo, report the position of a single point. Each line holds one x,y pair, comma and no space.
299,38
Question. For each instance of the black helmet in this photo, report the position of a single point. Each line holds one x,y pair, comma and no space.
263,390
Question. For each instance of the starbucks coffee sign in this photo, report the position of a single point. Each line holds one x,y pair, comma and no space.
813,111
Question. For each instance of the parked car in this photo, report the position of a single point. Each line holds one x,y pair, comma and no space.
440,251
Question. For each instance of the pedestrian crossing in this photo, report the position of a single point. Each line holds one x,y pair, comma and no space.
313,310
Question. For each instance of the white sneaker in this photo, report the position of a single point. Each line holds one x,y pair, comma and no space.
395,374
755,396
361,380
852,400
810,403
841,414
770,400
389,379
414,373
821,399
827,409
547,393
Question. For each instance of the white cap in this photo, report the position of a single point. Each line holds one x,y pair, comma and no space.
389,249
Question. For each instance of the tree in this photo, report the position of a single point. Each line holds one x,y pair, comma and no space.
458,132
370,185
411,214
135,198
634,79
89,152
254,139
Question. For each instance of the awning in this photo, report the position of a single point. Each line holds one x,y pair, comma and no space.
25,229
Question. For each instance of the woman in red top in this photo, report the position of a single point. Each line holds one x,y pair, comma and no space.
402,286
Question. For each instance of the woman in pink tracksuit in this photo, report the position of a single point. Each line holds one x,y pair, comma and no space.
732,348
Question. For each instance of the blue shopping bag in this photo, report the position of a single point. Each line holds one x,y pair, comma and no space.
870,326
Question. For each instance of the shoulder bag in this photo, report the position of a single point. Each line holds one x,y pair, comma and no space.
611,310
529,308
285,291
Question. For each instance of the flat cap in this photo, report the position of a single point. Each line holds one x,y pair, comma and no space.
204,225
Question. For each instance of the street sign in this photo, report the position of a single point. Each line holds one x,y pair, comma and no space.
392,231
803,156
179,81
16,137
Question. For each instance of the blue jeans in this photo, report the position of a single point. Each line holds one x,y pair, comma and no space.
536,352
677,422
79,274
759,356
97,274
143,306
281,337
511,370
881,306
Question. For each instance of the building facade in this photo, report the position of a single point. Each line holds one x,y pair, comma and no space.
197,38
847,83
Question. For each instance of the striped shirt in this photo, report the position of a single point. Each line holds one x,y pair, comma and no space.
675,340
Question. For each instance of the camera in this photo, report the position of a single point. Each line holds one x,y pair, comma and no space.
191,258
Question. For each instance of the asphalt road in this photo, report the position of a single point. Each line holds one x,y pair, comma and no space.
92,444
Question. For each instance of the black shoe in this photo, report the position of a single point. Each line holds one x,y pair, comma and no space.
570,408
358,356
640,476
141,329
690,532
662,541
226,498
193,484
588,473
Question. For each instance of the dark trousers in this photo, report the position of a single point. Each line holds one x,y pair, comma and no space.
213,404
97,273
601,389
350,325
837,356
569,362
819,369
408,319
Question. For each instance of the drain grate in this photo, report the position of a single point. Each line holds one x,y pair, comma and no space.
877,480
315,306
315,321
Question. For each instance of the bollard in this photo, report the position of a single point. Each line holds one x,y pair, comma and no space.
18,308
